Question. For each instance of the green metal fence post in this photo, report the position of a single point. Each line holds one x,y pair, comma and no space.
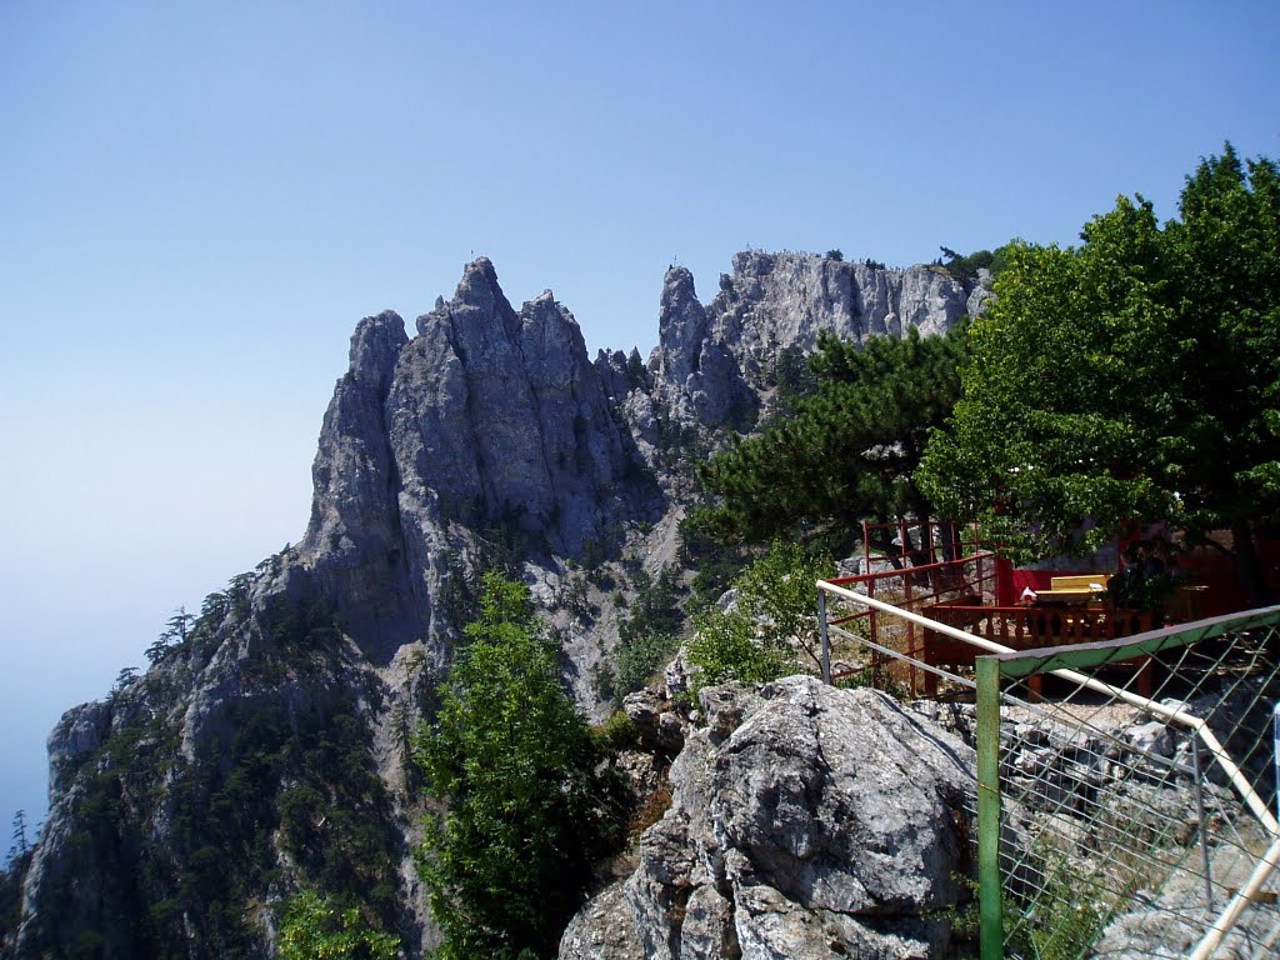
991,930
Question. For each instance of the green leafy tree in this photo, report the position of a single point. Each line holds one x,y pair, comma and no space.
317,928
1131,380
527,806
849,450
771,628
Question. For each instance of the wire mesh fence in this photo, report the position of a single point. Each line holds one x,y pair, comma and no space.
1130,823
1126,803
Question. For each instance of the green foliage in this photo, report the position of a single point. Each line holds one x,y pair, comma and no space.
849,451
11,876
728,647
636,372
618,732
834,254
715,563
793,379
124,679
1132,380
315,927
527,807
965,268
647,636
174,636
772,622
20,844
1067,914
640,656
656,609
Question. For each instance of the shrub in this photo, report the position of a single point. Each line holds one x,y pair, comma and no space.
316,928
772,622
529,806
618,732
640,657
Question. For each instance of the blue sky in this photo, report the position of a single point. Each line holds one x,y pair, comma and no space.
199,201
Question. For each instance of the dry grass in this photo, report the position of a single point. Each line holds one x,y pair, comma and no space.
651,809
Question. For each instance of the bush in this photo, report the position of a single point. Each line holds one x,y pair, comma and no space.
640,657
618,732
725,646
772,622
529,806
316,928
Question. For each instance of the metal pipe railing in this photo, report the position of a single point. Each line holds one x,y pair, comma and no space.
1177,714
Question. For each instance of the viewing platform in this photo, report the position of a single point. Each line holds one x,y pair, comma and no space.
977,591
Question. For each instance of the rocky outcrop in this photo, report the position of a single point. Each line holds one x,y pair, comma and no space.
711,365
352,555
806,821
505,420
488,422
77,736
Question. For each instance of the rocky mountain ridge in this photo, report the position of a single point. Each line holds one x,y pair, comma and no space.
488,438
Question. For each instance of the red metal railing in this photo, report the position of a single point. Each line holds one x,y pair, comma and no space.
966,582
962,593
1024,628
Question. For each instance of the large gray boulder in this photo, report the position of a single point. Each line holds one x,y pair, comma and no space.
806,821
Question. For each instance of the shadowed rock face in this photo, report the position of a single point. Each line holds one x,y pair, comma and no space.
806,822
353,554
490,423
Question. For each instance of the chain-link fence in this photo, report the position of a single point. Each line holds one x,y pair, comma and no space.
1125,788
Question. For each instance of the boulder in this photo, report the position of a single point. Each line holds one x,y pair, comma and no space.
806,821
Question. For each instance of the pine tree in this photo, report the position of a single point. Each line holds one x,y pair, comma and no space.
20,846
849,451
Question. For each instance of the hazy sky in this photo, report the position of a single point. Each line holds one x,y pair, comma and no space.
199,201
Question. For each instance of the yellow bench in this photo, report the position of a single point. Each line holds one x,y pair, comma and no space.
1074,588
1083,582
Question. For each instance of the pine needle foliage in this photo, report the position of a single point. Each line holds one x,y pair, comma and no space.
848,452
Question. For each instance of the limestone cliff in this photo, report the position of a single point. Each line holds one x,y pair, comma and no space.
267,747
712,363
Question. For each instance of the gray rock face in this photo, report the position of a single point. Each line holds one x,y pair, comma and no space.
352,554
487,420
806,822
77,735
712,363
505,419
